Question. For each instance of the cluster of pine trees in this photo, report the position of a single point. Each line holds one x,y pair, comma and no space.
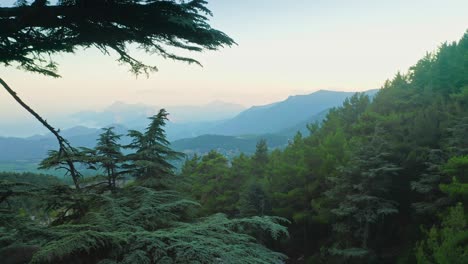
129,212
381,180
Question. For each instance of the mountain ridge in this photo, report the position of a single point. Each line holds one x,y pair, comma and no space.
275,117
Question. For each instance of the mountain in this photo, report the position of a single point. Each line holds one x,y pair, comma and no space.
214,118
276,122
135,115
277,117
130,115
176,131
317,118
185,121
214,111
302,126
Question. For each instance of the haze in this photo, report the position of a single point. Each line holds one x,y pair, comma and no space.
283,50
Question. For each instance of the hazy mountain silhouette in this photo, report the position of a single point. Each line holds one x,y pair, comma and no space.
277,122
280,116
135,115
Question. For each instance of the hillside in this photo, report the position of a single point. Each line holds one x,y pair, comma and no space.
279,116
380,181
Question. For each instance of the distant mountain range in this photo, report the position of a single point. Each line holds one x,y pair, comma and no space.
296,111
276,122
135,115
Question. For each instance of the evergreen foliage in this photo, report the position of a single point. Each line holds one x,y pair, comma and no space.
109,155
32,32
367,179
361,192
143,221
447,243
150,163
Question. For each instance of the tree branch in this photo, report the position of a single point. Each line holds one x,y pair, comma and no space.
26,32
63,143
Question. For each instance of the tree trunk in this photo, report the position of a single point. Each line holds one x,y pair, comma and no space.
62,142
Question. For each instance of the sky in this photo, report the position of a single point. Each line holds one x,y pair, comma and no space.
284,48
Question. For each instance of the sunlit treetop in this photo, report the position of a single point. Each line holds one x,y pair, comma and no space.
31,32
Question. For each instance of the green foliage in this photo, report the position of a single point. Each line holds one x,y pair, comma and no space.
260,159
457,167
150,163
428,184
66,160
142,224
361,193
359,186
21,194
108,155
110,26
210,184
254,201
143,221
448,243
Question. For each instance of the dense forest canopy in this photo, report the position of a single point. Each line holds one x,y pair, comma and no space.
379,181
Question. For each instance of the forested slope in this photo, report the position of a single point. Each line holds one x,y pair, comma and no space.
378,182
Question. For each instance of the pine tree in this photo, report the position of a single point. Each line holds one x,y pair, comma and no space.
150,163
260,159
457,142
361,194
428,184
66,158
109,155
254,201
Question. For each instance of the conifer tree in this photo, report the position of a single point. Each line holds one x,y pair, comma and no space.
254,201
66,158
150,163
361,194
428,184
109,155
190,165
260,160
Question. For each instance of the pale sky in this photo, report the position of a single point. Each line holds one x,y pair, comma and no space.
285,48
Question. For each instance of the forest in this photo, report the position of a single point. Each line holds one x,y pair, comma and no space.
379,180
